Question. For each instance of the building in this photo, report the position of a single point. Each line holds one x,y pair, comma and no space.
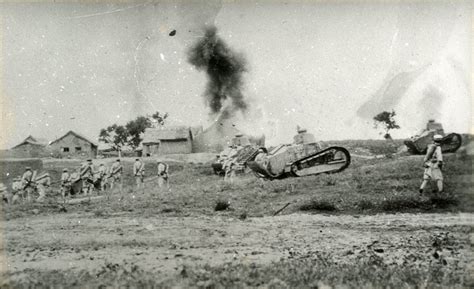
220,135
31,147
167,140
73,145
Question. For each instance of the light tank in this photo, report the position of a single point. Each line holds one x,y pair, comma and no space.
418,143
304,157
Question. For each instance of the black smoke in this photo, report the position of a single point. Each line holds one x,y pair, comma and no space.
224,68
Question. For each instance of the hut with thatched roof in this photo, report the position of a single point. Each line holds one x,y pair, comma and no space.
167,140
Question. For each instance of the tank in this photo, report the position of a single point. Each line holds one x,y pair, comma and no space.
239,152
304,157
418,143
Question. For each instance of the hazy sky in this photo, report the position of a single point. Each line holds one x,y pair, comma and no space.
326,67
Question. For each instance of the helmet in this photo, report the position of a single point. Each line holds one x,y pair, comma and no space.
437,137
65,170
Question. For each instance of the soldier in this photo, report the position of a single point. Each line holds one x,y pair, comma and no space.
433,164
74,178
139,173
27,183
43,183
6,196
229,166
102,174
116,174
17,190
87,173
65,183
163,175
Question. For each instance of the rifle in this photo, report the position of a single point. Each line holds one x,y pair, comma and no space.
115,171
30,181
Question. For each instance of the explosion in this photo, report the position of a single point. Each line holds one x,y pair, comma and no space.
224,69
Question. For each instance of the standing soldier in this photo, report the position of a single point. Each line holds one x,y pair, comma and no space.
87,174
230,165
433,164
65,183
17,190
43,184
6,196
163,175
27,183
139,173
102,176
116,174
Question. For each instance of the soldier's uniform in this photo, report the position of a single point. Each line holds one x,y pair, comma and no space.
17,192
229,165
43,183
116,174
65,183
6,196
87,174
27,182
163,174
433,164
139,172
102,173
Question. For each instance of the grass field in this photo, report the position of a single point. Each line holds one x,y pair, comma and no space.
368,186
207,233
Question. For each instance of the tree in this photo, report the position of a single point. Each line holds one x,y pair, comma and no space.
158,119
387,121
115,135
135,129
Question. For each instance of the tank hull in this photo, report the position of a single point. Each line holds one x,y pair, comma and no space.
418,145
308,162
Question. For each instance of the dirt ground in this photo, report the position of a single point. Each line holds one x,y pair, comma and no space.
367,227
71,244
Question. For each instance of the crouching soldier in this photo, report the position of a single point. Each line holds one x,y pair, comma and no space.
433,164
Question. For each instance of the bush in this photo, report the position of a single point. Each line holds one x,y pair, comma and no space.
221,205
318,205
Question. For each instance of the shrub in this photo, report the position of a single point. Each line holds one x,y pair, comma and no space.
221,205
318,205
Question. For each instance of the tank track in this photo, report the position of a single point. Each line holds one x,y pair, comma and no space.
328,161
306,166
451,143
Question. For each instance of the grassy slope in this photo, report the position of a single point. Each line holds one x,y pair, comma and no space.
367,186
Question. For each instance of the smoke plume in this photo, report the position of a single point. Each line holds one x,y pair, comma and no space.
224,68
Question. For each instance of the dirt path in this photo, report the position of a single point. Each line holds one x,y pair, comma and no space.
76,242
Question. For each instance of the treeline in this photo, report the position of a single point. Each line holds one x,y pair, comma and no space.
130,134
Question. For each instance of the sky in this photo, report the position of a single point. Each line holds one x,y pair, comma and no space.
328,67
